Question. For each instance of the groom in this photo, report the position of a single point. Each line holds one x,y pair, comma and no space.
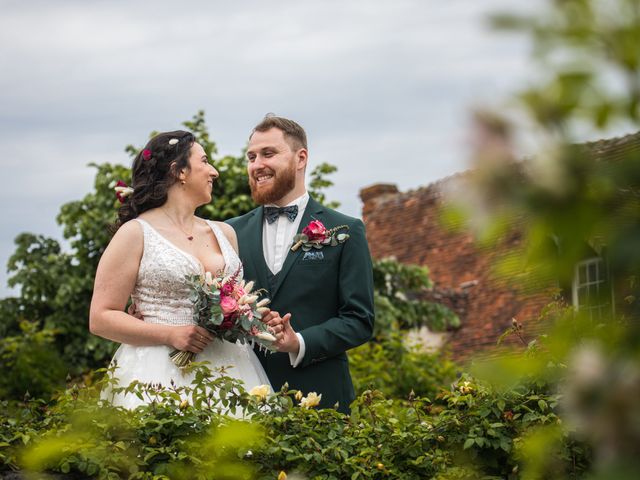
326,293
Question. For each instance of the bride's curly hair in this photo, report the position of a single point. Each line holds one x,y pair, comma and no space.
154,170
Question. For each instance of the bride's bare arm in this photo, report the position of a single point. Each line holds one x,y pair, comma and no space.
115,280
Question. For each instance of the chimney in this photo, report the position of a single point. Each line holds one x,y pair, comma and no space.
375,194
377,190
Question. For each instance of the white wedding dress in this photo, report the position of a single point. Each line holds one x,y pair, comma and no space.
161,295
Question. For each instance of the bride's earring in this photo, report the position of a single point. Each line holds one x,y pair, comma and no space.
182,182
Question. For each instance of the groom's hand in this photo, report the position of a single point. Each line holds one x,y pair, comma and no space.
286,338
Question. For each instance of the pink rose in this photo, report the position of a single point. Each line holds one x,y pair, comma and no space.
315,231
228,305
146,154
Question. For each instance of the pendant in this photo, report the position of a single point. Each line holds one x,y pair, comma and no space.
190,237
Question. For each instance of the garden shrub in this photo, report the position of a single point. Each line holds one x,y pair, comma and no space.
29,363
468,427
389,365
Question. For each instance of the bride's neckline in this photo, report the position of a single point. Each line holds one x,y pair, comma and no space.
195,259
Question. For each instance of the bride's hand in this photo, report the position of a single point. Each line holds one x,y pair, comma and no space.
189,338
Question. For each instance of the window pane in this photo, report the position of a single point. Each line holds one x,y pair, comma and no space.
593,272
583,296
582,274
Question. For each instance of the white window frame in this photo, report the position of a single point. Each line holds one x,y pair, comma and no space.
597,284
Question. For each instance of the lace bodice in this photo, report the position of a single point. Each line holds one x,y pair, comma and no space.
161,293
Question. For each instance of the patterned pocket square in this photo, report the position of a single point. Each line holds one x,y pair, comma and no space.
313,256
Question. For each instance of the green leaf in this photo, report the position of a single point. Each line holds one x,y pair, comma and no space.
543,405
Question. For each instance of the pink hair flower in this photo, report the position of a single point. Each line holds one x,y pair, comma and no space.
146,154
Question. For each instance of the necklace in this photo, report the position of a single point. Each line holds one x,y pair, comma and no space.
188,235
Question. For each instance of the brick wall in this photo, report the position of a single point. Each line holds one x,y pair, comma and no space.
406,226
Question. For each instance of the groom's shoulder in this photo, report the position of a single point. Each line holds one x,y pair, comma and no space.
241,220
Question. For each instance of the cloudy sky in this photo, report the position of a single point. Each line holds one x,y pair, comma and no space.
383,88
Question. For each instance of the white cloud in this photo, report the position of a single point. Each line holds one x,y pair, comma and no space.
381,87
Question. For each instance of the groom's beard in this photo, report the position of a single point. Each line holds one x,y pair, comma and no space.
283,182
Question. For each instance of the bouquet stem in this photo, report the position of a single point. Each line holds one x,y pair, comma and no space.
182,359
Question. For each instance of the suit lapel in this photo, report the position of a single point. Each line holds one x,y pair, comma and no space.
254,244
310,212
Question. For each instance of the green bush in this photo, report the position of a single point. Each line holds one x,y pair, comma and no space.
399,289
468,431
390,366
29,364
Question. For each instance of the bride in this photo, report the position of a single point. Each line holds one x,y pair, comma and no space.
158,243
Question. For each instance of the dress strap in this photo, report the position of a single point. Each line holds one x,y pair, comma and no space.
150,232
231,260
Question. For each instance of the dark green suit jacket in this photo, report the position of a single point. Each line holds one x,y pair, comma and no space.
329,296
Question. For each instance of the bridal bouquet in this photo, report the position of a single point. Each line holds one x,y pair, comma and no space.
228,308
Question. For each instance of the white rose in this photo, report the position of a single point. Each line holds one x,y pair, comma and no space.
311,400
260,391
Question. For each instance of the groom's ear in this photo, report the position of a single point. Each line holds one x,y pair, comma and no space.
301,156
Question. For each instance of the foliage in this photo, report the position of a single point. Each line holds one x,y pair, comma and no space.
571,398
399,291
581,196
469,427
395,369
22,358
388,363
318,182
169,438
573,202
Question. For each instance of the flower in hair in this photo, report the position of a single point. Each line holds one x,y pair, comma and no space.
122,191
173,141
146,154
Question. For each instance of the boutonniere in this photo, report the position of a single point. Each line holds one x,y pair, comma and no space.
316,235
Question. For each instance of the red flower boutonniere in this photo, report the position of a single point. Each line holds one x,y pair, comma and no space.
316,235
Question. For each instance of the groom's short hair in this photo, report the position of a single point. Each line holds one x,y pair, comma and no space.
293,132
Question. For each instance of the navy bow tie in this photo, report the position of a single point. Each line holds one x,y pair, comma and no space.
272,213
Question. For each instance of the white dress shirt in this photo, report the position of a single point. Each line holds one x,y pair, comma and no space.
277,240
